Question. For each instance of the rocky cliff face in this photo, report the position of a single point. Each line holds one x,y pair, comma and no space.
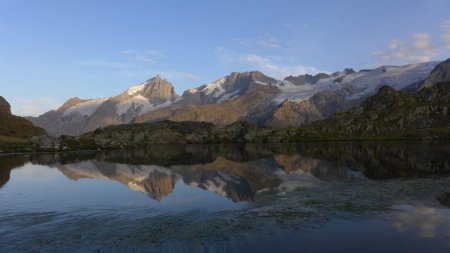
14,130
306,79
5,108
441,73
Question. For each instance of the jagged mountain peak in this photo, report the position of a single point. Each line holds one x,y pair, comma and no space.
153,87
250,76
228,87
306,78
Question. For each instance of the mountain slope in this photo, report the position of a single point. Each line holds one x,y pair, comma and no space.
14,130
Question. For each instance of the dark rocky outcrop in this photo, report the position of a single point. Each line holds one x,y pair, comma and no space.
306,79
441,73
5,108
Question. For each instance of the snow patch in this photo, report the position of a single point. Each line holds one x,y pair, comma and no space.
228,96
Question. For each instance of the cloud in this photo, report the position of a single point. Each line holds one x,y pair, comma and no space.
102,64
224,55
422,41
34,107
273,69
147,56
395,44
240,41
270,43
131,59
419,49
187,76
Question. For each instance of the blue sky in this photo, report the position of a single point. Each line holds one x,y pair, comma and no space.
53,50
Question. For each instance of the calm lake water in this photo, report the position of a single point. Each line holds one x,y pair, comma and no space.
314,197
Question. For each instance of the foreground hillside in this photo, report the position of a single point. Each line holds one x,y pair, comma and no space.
389,114
14,130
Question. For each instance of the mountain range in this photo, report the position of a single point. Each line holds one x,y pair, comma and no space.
249,96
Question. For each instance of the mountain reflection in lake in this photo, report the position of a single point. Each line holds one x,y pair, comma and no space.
313,197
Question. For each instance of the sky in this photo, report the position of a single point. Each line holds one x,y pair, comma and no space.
53,50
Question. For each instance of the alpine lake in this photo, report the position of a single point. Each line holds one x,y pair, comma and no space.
302,197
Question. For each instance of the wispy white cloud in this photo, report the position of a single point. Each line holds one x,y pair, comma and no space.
33,107
146,56
267,41
419,48
275,66
181,75
274,69
241,41
130,63
270,43
224,55
103,64
422,41
130,59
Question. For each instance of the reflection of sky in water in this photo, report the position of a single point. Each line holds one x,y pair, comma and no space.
426,222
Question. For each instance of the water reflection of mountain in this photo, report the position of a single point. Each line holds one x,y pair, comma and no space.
240,171
7,164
